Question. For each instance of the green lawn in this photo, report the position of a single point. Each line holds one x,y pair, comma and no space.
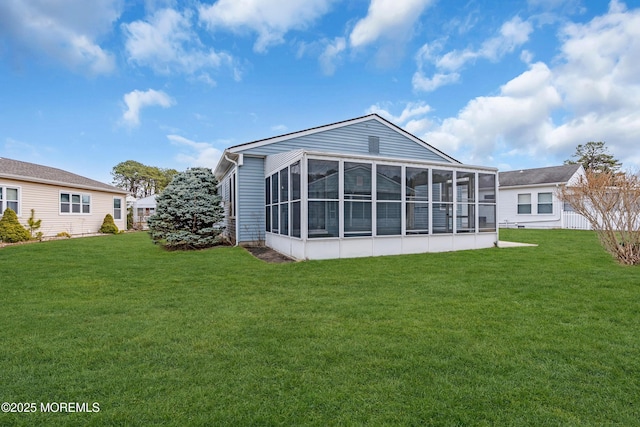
546,335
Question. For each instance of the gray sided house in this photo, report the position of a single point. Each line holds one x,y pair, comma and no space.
529,198
361,187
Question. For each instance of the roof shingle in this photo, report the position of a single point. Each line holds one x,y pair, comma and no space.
15,169
548,175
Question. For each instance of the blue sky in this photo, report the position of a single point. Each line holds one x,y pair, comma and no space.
510,84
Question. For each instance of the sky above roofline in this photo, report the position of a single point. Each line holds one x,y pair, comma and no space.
512,85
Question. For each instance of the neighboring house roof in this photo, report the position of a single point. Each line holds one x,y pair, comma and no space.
224,163
146,202
31,172
538,176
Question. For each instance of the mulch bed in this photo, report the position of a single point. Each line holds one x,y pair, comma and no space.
268,255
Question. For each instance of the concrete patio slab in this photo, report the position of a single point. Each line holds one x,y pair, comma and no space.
503,244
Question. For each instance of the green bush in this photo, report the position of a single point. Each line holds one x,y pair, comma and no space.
108,226
63,234
11,230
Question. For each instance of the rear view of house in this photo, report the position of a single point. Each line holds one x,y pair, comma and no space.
65,202
528,198
361,187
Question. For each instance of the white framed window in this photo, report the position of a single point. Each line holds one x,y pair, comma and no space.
545,203
75,203
282,201
10,199
466,202
117,208
524,203
442,207
388,199
323,198
357,199
487,199
417,200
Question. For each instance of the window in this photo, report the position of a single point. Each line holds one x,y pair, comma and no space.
465,198
295,219
267,203
232,195
294,170
9,199
357,199
487,199
545,203
117,208
284,185
322,190
524,203
417,197
282,201
73,203
442,207
271,206
389,195
275,209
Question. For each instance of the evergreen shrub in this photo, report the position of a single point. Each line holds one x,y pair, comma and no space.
11,231
188,212
108,225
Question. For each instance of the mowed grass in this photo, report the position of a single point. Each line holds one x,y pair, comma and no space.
546,335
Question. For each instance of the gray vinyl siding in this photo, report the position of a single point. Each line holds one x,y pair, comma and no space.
354,139
250,213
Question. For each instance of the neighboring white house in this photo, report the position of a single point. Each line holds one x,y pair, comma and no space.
65,202
361,187
142,209
528,198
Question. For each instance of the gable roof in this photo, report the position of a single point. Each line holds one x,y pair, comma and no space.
224,163
24,171
549,175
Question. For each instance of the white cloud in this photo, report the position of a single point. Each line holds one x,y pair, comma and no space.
136,100
279,128
270,19
519,116
167,43
387,19
412,118
428,84
411,111
331,55
199,154
64,30
599,77
590,93
513,34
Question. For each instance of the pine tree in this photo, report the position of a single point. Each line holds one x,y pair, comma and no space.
188,212
593,156
34,225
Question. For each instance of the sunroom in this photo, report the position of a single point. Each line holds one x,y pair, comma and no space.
322,205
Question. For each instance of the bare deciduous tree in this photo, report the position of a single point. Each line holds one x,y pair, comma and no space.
611,203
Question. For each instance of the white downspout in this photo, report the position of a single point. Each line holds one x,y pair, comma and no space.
235,194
